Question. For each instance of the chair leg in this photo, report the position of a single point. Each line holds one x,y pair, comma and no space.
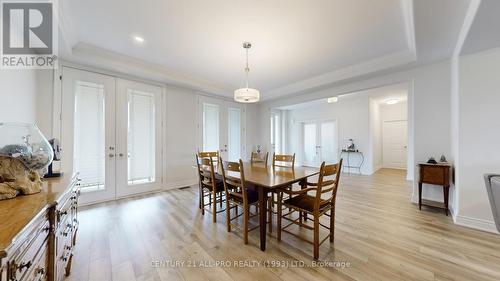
200,193
280,212
270,213
202,201
332,225
245,223
316,237
228,215
214,207
220,199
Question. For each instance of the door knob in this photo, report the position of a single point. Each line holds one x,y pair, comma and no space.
111,155
121,154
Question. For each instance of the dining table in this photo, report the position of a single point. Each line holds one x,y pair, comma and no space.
267,179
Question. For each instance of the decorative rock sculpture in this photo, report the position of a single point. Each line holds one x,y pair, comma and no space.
16,179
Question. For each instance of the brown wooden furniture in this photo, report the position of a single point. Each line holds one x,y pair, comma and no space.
437,174
300,201
209,185
256,159
38,232
283,161
266,179
238,194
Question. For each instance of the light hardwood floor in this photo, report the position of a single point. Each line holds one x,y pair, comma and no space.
378,231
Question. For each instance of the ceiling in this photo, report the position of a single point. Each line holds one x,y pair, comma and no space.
297,45
484,32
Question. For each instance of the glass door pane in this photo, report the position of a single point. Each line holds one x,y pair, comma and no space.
310,149
234,134
141,137
210,127
89,146
328,142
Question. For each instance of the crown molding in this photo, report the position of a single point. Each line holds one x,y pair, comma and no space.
87,54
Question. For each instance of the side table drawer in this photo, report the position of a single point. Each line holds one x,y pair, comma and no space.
434,175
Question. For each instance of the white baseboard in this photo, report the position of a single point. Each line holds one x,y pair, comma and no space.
480,224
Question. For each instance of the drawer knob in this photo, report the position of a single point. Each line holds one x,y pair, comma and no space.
24,265
40,270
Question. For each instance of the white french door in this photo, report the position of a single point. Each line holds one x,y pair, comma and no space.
320,143
111,134
138,142
222,128
88,132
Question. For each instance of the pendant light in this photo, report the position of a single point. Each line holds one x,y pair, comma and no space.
247,95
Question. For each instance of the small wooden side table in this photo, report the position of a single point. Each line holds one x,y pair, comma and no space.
437,174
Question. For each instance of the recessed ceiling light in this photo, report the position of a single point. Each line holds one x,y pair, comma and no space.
391,101
138,39
332,99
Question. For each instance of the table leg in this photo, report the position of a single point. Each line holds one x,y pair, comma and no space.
446,190
262,216
420,196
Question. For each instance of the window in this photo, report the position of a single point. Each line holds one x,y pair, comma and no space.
141,137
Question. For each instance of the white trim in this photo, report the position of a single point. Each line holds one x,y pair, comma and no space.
484,225
464,31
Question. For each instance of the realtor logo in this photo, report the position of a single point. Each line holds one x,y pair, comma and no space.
28,34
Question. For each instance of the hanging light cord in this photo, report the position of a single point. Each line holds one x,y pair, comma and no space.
247,69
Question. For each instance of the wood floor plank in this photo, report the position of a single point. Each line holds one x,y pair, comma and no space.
380,235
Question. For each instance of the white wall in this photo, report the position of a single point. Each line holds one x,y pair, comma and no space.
352,122
479,135
18,95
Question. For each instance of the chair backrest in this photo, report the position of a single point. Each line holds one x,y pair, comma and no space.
232,183
328,182
255,159
206,170
281,160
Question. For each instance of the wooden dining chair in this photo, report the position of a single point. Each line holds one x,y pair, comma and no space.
256,159
300,201
284,161
209,186
281,161
238,194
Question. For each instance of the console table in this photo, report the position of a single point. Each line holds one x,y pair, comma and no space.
437,174
348,159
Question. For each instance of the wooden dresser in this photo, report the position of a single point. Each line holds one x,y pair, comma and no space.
38,232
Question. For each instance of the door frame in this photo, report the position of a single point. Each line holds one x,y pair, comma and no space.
223,104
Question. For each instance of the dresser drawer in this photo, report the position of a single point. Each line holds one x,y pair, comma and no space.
39,270
434,175
24,258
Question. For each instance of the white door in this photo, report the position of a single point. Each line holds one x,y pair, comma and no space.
276,140
320,143
88,132
222,128
138,142
395,144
